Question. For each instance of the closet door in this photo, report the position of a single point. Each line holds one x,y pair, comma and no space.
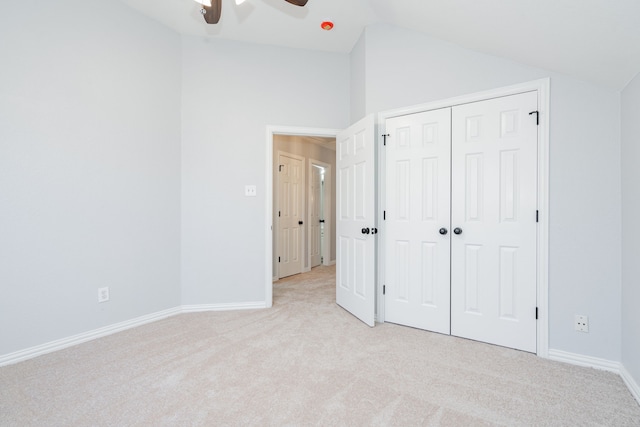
494,188
417,209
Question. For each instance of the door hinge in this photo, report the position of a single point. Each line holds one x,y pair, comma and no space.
537,117
537,216
384,138
280,168
384,289
278,214
536,313
384,215
278,259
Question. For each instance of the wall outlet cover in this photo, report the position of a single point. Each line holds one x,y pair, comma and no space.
103,294
581,323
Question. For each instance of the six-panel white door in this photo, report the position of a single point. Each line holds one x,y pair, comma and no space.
355,269
417,210
290,215
494,199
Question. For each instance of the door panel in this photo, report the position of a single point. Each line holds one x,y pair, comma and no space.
417,206
355,275
290,196
315,194
494,170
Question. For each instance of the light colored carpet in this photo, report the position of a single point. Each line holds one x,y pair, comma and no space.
303,362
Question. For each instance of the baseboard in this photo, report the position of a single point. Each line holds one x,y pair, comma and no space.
39,350
223,307
631,383
586,361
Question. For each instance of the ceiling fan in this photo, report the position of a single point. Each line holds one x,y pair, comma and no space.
212,9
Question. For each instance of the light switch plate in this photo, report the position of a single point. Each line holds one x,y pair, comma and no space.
250,190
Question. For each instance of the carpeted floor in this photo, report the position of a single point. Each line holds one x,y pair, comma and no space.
303,362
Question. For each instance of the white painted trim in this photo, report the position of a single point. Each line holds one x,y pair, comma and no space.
270,131
585,361
631,383
542,87
39,350
199,308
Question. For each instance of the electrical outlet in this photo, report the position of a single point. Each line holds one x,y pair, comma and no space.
103,294
582,323
250,190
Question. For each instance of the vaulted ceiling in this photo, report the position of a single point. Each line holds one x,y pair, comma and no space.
592,40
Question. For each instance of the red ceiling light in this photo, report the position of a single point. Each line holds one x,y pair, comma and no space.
327,25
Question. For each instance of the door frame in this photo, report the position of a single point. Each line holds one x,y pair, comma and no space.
303,212
542,87
272,130
326,212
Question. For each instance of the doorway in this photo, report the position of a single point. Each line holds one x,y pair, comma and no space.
303,201
320,202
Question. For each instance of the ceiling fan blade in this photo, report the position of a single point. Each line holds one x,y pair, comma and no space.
212,13
297,2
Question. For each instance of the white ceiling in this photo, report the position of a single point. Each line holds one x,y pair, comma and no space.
593,40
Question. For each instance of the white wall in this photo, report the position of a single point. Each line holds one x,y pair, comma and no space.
358,80
405,68
631,228
231,92
89,168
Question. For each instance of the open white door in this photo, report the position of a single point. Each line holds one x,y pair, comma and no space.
356,227
315,215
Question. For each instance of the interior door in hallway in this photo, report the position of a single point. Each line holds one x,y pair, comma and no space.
315,215
356,226
494,202
417,210
290,214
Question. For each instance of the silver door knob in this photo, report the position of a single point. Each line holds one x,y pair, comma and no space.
457,230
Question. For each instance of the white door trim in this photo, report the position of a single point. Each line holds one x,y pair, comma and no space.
542,87
326,213
270,132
